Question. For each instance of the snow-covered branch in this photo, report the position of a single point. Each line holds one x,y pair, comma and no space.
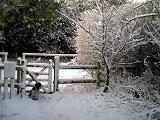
139,16
78,24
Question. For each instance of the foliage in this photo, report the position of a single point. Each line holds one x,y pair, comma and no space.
28,26
141,91
114,2
140,52
62,32
112,32
74,8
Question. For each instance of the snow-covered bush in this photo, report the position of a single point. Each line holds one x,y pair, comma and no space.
107,33
142,92
110,32
143,88
87,54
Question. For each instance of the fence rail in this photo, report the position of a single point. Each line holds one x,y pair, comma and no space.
57,67
69,81
58,81
22,70
9,78
77,66
47,55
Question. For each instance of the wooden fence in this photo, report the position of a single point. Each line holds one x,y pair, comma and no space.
53,66
134,69
34,75
9,78
56,67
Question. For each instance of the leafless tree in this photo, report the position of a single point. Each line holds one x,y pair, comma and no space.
113,30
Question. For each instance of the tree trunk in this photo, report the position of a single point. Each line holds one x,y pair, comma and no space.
107,79
107,72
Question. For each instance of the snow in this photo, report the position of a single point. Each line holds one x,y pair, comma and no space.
72,102
66,106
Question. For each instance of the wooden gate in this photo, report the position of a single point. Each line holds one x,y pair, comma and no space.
56,67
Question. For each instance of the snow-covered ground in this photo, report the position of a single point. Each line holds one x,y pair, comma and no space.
72,102
69,106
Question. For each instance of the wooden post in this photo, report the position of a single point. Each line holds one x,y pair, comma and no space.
18,73
23,77
12,81
6,81
56,72
9,73
50,75
5,57
23,56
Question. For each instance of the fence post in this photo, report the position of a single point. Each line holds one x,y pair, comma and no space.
19,62
23,77
12,81
56,72
6,81
50,75
5,57
23,56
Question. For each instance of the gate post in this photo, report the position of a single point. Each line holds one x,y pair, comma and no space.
50,75
12,82
5,57
23,77
19,62
6,82
56,72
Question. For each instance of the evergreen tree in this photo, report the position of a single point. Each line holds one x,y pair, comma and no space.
26,26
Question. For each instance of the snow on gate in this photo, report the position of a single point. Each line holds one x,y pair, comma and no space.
61,72
50,74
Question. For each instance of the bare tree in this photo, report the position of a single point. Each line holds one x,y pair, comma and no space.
113,30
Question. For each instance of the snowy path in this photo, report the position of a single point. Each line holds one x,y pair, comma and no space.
72,102
66,106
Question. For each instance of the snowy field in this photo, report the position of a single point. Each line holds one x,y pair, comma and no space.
72,102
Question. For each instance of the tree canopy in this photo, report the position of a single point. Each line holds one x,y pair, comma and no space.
34,26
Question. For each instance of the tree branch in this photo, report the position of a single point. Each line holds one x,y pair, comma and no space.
77,24
137,17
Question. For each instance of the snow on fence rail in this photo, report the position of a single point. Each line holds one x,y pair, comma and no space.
53,81
9,78
24,55
34,75
56,66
